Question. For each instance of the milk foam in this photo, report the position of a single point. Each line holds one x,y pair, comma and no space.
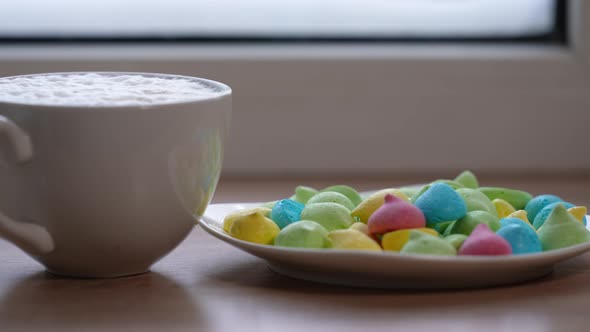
103,89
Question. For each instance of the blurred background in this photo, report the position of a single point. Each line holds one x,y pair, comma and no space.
349,87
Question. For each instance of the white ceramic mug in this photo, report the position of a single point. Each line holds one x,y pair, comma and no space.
106,191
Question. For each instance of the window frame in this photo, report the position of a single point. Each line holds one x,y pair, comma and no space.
509,107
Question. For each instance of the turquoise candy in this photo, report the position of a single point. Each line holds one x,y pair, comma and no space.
538,203
513,221
541,217
522,237
441,203
286,211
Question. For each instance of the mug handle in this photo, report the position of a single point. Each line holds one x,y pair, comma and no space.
32,238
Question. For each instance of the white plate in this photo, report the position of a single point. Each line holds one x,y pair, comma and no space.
389,269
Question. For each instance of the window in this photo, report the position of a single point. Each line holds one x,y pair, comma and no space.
282,20
405,102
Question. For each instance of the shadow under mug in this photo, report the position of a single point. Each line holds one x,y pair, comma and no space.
106,191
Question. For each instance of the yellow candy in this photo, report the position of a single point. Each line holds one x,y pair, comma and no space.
394,241
503,208
367,207
579,212
359,226
254,227
230,218
522,215
352,239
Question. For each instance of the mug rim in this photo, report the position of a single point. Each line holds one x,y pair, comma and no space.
223,92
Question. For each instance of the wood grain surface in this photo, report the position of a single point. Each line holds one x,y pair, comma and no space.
207,285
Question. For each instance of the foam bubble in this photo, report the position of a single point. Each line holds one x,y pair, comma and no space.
103,89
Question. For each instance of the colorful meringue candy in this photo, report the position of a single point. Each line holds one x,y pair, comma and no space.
538,203
410,191
395,214
467,179
451,183
423,243
456,240
352,239
513,219
303,234
367,207
467,224
331,216
483,241
331,197
503,208
419,193
520,214
476,201
230,218
286,211
541,217
361,227
440,203
561,230
395,241
522,237
254,227
441,227
517,198
347,191
579,212
304,193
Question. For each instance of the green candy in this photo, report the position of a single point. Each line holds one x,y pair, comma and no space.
476,201
303,234
347,191
332,197
448,229
422,243
269,205
331,216
468,180
516,198
410,191
419,193
452,183
561,230
466,224
456,240
303,194
441,226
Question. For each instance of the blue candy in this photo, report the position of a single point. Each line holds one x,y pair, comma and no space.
513,221
536,204
522,238
544,213
441,203
285,212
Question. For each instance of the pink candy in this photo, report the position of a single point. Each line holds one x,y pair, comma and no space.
395,214
483,241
